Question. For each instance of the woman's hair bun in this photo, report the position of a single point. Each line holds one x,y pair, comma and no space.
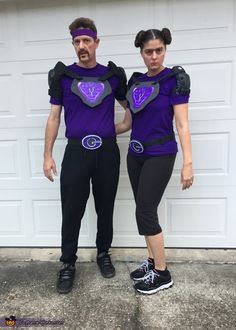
166,36
139,38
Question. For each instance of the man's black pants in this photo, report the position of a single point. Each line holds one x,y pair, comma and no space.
79,166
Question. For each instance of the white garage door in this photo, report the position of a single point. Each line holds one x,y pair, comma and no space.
34,36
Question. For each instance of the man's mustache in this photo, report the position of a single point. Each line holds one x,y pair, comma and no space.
82,51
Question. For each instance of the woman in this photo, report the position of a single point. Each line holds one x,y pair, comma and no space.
154,99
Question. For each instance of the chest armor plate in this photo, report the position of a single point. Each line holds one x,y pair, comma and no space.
91,90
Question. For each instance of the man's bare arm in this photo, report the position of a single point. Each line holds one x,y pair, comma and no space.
51,132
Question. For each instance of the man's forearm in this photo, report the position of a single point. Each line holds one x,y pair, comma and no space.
50,135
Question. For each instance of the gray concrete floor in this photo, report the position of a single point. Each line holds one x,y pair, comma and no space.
203,296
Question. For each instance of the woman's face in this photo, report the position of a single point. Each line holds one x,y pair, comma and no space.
153,54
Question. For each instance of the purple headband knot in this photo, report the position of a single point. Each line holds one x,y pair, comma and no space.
82,32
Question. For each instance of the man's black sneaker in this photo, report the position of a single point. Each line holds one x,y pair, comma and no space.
153,282
65,278
139,273
105,265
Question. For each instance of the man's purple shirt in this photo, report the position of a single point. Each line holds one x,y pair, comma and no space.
80,119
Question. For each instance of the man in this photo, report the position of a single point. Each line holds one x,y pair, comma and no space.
87,91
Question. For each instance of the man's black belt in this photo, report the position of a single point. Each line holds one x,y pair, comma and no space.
92,141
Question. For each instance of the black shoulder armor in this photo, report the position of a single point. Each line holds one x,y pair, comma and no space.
182,81
133,78
54,76
120,73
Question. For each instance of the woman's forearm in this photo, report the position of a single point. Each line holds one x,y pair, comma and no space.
185,141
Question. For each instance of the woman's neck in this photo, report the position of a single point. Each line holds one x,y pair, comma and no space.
152,73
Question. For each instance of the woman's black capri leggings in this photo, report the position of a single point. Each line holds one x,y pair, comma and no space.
149,176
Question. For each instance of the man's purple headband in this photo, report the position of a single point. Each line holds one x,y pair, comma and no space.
82,32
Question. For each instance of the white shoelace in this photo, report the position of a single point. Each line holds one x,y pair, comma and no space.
149,277
145,265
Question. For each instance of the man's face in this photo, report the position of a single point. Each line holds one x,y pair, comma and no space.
85,48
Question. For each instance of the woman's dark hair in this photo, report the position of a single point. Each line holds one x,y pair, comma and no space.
144,36
82,22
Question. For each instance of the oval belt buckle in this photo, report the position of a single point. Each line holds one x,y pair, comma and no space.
91,142
136,146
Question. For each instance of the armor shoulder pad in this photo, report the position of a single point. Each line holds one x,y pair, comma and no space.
51,75
56,72
133,78
182,81
54,76
117,70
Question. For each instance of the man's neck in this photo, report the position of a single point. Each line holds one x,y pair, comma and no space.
89,65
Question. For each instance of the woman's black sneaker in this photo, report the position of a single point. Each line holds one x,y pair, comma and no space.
139,273
154,282
105,265
65,278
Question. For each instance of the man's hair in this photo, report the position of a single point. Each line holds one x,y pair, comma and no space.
82,22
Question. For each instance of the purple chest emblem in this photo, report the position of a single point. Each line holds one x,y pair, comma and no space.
91,90
141,94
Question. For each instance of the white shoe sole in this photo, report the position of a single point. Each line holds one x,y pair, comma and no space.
162,287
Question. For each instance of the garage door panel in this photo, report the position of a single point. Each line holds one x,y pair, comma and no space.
213,153
10,163
36,148
21,165
211,85
205,219
31,14
201,20
210,159
34,86
103,9
14,209
203,216
11,218
192,25
46,219
42,210
7,104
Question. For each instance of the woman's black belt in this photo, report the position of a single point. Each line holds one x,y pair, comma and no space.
139,147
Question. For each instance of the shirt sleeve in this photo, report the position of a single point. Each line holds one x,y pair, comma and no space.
179,99
56,101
